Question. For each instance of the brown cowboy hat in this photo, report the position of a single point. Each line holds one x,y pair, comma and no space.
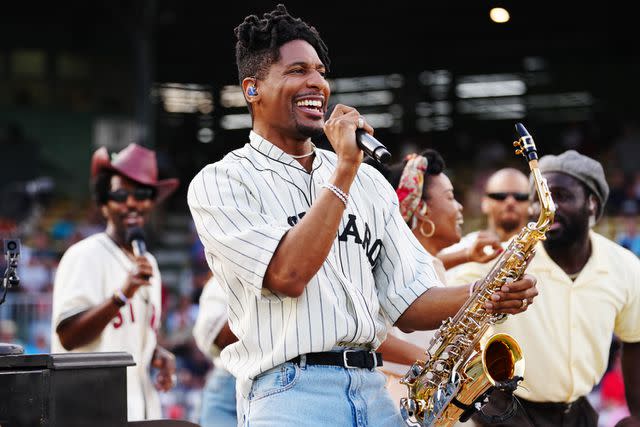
137,163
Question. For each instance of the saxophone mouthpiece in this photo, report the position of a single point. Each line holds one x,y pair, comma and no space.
522,131
525,144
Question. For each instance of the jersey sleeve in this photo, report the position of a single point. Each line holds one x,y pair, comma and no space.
627,325
404,269
212,316
232,225
75,289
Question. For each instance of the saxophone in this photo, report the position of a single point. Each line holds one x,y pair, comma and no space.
454,377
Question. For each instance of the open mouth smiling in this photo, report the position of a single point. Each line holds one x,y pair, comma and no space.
313,106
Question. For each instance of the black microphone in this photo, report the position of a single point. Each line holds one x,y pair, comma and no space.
135,237
372,147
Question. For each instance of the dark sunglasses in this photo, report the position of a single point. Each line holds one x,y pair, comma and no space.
140,194
501,196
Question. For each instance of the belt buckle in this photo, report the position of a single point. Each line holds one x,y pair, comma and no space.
344,359
375,360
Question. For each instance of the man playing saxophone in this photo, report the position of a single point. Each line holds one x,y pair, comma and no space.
589,289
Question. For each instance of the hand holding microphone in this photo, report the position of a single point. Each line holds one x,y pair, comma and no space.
143,270
341,121
135,237
372,147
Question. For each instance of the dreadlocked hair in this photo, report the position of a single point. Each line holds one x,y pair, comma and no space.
259,41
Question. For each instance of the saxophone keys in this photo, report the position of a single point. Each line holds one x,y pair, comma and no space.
416,369
409,408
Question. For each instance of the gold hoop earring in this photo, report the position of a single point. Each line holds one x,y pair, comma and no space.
433,228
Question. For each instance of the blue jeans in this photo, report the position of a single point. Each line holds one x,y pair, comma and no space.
316,395
219,400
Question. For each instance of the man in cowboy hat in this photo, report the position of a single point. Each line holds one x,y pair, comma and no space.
106,295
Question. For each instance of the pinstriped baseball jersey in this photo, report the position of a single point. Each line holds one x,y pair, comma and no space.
244,204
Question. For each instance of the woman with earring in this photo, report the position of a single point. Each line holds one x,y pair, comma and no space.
429,207
435,216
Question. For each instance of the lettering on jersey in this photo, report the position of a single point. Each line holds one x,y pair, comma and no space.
117,322
293,220
372,254
351,229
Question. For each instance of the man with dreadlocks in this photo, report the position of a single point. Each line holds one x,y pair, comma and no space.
310,247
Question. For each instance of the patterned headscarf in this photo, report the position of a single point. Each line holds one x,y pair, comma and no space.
409,189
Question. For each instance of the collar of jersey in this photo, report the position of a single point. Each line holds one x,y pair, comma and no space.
263,146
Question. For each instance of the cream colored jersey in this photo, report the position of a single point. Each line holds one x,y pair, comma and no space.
89,273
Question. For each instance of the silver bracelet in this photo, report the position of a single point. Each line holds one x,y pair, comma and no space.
344,197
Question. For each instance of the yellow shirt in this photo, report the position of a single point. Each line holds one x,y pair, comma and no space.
565,335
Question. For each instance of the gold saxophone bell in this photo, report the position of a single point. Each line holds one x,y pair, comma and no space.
500,360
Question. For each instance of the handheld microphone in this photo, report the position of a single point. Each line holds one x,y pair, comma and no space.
135,237
372,147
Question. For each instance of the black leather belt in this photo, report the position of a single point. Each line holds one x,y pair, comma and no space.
345,359
556,406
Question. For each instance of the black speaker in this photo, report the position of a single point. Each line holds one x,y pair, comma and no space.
70,390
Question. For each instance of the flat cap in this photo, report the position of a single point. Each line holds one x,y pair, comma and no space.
583,168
